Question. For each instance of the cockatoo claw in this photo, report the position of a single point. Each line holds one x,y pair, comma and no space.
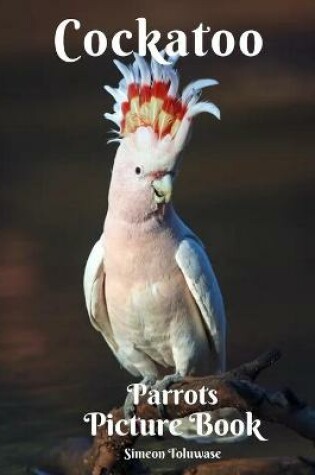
163,385
129,407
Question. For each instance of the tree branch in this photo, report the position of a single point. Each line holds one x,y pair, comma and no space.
259,466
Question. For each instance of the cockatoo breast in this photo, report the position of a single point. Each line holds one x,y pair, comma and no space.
148,301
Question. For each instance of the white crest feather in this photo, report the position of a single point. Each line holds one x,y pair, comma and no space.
195,87
204,107
113,117
144,69
125,71
118,94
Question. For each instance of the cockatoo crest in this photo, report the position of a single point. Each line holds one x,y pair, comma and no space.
147,96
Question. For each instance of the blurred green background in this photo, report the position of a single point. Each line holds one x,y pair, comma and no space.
246,187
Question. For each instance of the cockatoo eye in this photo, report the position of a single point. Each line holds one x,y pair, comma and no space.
138,170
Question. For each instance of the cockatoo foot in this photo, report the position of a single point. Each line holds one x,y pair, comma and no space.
163,385
129,407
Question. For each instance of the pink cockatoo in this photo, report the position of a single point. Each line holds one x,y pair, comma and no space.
149,286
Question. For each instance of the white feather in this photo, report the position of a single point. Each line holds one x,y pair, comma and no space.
117,94
117,107
114,131
208,107
125,71
144,69
122,85
93,284
174,82
136,72
114,140
198,273
156,70
182,133
112,117
173,59
196,86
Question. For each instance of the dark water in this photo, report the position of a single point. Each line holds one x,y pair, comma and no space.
246,188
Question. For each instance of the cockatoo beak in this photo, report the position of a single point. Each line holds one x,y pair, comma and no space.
162,188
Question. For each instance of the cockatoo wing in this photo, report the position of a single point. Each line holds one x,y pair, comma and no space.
202,283
94,292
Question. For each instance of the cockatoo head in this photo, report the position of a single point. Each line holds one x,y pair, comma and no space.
154,122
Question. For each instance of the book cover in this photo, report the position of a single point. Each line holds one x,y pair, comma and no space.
156,269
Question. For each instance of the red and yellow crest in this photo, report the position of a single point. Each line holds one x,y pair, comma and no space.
147,97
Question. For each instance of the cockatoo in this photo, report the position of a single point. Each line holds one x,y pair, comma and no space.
149,286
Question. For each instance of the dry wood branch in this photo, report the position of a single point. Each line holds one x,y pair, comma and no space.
236,389
259,466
